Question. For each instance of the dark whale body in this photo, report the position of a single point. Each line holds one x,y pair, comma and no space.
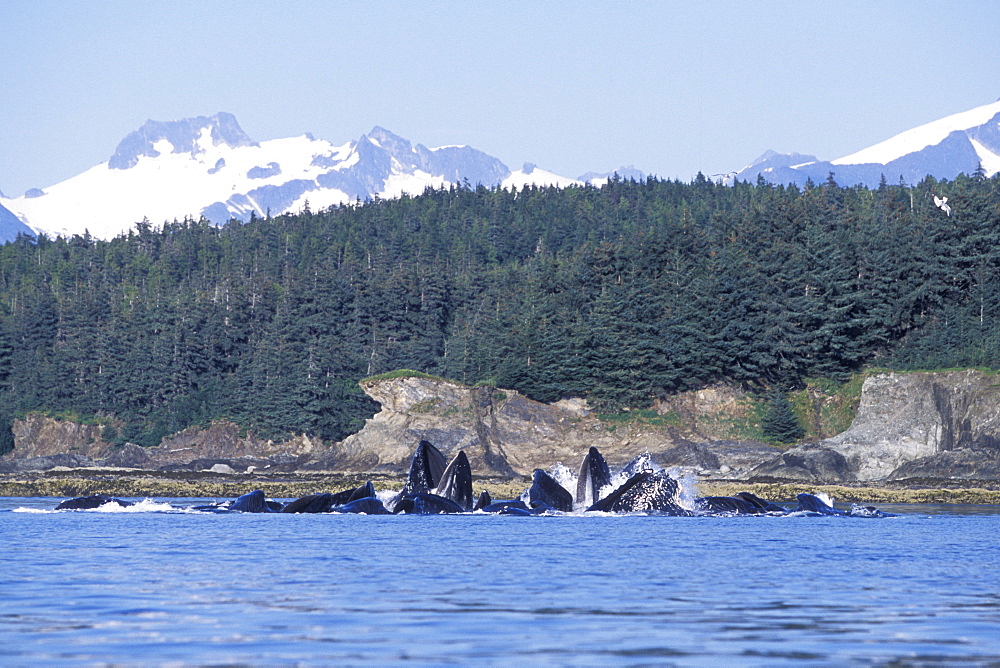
365,491
456,481
367,505
91,502
763,505
253,502
426,503
500,507
545,489
809,503
812,505
728,505
484,500
640,464
324,503
314,503
649,491
426,469
517,507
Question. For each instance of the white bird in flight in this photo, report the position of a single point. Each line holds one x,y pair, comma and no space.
942,203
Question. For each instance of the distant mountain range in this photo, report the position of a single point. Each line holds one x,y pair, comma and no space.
945,148
207,166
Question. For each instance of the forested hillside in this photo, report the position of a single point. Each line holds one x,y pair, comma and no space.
619,294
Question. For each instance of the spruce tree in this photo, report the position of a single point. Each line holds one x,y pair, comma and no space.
780,424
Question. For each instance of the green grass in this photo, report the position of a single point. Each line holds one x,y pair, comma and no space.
647,417
827,407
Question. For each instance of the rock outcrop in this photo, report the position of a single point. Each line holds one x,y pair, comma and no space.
909,425
504,432
42,442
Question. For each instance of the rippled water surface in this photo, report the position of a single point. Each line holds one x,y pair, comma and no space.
171,587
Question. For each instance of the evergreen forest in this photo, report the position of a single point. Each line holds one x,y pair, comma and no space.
620,294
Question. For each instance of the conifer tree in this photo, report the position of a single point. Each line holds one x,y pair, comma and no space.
779,423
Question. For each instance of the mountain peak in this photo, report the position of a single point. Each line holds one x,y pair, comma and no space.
208,167
625,172
183,135
393,143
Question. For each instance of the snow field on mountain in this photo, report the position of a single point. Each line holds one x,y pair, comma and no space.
920,137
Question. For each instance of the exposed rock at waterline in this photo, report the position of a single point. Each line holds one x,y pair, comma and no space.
908,425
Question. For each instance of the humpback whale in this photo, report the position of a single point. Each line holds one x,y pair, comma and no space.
254,502
641,463
426,469
456,481
91,502
368,505
314,503
545,489
426,503
649,491
813,505
517,507
363,492
432,487
727,505
594,475
484,500
764,506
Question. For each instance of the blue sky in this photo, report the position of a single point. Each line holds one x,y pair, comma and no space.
670,87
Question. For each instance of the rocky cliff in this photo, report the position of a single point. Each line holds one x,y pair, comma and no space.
908,425
42,442
504,432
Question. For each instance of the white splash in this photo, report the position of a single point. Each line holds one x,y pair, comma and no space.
36,511
144,506
387,495
825,498
646,463
565,476
687,488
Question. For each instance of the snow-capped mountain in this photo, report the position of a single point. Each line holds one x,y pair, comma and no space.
945,148
207,166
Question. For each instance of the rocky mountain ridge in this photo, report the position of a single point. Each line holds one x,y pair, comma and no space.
957,144
209,167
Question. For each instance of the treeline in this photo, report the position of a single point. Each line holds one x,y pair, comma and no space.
619,294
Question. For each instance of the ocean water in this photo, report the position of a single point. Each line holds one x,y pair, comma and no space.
154,586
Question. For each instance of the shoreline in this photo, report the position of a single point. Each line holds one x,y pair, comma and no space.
207,484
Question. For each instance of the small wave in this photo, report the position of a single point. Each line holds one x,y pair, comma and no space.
36,511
